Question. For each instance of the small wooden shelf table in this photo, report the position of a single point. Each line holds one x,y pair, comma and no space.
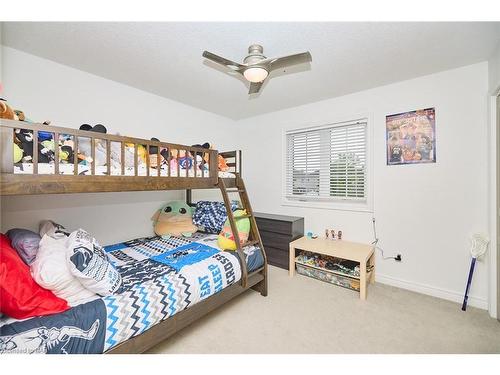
361,253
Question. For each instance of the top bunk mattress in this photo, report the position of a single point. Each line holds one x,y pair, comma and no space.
160,278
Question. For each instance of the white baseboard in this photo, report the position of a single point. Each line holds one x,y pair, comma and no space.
480,303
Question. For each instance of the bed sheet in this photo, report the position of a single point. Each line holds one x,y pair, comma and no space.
160,278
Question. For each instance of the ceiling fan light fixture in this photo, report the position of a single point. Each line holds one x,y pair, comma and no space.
255,74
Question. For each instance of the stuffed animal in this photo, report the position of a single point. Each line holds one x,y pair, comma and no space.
100,151
182,158
204,145
174,219
173,165
223,167
18,153
24,139
6,112
47,151
225,239
185,162
22,117
142,154
200,164
66,149
206,156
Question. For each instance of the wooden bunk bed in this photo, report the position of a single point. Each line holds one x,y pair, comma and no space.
101,178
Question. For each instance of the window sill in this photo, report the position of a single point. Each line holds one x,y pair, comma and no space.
329,205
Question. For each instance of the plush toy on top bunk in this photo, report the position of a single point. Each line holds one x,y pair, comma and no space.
84,146
174,219
23,138
153,155
204,162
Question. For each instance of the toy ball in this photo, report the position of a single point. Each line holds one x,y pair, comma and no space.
225,239
18,153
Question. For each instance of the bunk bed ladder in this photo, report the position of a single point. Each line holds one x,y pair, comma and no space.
254,237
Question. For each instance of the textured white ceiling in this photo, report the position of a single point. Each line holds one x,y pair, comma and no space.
165,58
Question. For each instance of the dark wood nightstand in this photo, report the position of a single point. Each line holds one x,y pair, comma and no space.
277,231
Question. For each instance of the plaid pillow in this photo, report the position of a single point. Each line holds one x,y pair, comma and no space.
210,216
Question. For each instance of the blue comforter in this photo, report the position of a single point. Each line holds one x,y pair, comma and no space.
160,278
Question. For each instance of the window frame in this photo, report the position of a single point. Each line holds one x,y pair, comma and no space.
365,205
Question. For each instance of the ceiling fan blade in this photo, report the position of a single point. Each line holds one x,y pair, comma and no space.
282,62
221,60
255,87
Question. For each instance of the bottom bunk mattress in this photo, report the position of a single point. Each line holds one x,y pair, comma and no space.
160,278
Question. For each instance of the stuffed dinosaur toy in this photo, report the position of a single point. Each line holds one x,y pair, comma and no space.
174,219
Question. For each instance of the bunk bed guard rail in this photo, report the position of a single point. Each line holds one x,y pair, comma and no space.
69,160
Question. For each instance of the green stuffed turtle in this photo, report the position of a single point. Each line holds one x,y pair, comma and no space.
174,219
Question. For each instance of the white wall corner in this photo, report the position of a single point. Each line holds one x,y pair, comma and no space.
494,154
492,183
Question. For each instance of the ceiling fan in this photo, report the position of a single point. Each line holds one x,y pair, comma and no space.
256,67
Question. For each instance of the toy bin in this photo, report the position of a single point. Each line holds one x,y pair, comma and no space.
329,277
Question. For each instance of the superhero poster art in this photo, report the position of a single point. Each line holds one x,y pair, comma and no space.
411,137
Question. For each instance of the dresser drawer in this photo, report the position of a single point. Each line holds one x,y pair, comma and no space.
293,228
277,257
277,231
277,240
274,226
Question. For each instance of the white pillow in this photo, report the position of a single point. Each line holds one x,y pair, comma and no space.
90,264
50,270
52,229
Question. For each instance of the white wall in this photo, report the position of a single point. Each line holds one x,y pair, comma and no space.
494,71
427,212
494,89
45,90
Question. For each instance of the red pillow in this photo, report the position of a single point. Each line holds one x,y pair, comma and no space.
20,296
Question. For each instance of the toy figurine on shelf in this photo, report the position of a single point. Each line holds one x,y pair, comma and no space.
311,236
332,232
339,235
326,233
321,263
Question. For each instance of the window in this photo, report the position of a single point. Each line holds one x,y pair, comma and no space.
327,163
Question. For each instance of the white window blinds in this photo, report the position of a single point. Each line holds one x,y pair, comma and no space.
328,163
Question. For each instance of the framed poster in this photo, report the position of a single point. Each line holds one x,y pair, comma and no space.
411,137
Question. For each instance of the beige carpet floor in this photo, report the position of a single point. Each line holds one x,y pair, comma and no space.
302,315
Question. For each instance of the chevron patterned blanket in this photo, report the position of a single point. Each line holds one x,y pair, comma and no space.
160,278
